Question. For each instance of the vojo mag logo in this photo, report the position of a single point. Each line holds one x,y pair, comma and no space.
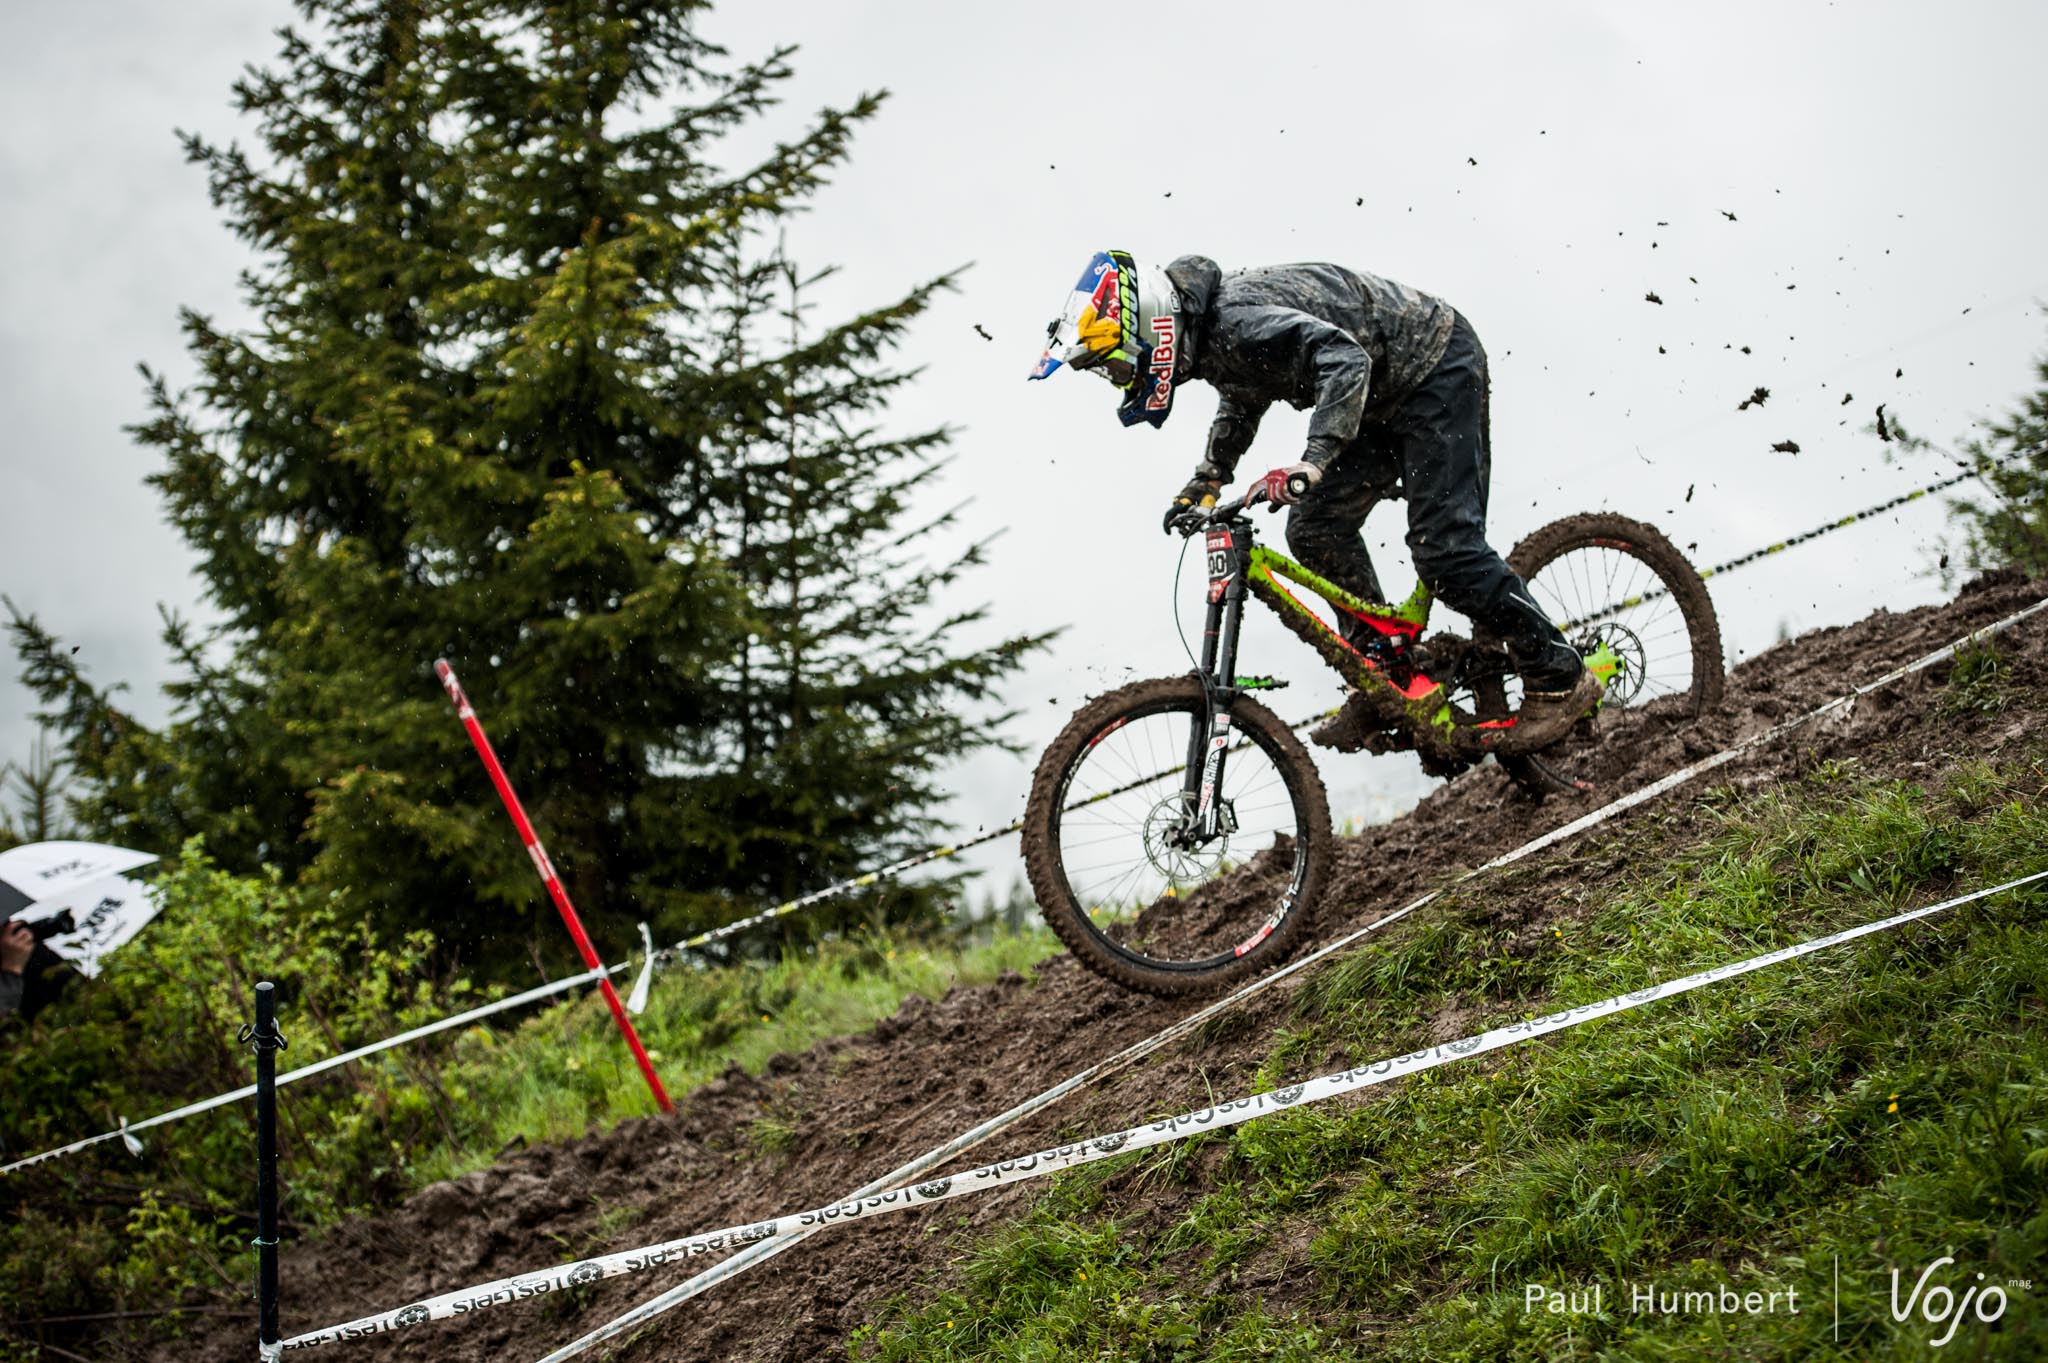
1934,1300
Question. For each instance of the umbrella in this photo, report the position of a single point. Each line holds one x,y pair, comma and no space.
43,879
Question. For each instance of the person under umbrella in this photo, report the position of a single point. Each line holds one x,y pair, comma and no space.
17,945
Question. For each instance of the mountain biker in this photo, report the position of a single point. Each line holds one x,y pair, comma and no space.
1399,386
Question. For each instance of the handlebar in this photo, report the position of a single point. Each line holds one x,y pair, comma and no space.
1297,487
1196,519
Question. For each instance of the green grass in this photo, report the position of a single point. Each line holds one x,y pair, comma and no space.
1978,682
1883,1103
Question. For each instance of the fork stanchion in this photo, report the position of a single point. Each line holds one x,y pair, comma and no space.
264,1038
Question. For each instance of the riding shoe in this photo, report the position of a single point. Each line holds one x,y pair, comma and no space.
1547,716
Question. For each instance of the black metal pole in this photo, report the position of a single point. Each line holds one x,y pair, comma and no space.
267,1041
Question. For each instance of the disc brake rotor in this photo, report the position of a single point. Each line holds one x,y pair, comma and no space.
1628,647
1170,849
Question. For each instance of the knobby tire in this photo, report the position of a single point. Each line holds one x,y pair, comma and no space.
1069,918
1648,546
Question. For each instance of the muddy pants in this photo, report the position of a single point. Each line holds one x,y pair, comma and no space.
1433,448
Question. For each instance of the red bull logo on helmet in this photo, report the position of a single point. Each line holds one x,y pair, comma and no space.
1161,364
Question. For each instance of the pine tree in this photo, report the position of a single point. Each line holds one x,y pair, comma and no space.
2012,530
486,413
210,774
36,788
845,695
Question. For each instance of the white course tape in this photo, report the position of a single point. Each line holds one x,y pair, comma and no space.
967,1140
124,1132
636,1002
1043,1162
931,1159
1555,836
768,1249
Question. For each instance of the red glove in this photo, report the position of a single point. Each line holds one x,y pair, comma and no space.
1284,486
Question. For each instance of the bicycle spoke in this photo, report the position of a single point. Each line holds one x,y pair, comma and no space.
1133,856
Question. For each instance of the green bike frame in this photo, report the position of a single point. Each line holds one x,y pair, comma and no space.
1239,566
1411,698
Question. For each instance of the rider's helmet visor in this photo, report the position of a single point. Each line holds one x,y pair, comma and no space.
1091,333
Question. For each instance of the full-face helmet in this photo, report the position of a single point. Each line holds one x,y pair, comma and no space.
1122,322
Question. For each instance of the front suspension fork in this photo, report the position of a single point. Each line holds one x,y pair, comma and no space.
1209,735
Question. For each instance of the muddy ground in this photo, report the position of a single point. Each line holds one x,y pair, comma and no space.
863,1105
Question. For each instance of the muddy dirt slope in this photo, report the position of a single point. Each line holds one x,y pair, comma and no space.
863,1105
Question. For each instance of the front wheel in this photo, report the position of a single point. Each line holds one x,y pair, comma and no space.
1136,892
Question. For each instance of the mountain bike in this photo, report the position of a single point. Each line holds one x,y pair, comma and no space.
1177,835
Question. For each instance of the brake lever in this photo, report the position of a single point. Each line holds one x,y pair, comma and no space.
1199,518
1224,511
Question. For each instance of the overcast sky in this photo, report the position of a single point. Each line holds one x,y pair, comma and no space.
1542,167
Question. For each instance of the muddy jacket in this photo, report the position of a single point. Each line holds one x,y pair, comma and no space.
1348,344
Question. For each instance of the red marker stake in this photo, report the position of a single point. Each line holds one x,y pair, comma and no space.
467,714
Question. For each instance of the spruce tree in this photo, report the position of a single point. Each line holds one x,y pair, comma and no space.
845,694
497,407
35,788
2011,529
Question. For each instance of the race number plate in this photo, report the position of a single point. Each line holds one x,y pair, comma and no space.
1222,563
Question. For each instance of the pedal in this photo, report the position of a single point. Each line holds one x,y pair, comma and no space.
1344,730
1442,767
1355,727
1336,740
1380,744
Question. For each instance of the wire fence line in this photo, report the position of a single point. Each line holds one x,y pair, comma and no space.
124,1131
1807,536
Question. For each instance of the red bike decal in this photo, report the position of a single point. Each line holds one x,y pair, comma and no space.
1388,626
1418,686
1114,726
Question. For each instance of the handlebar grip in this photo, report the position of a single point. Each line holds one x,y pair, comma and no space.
1298,486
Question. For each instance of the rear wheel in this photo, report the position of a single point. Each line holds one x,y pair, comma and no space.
1615,584
1121,875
